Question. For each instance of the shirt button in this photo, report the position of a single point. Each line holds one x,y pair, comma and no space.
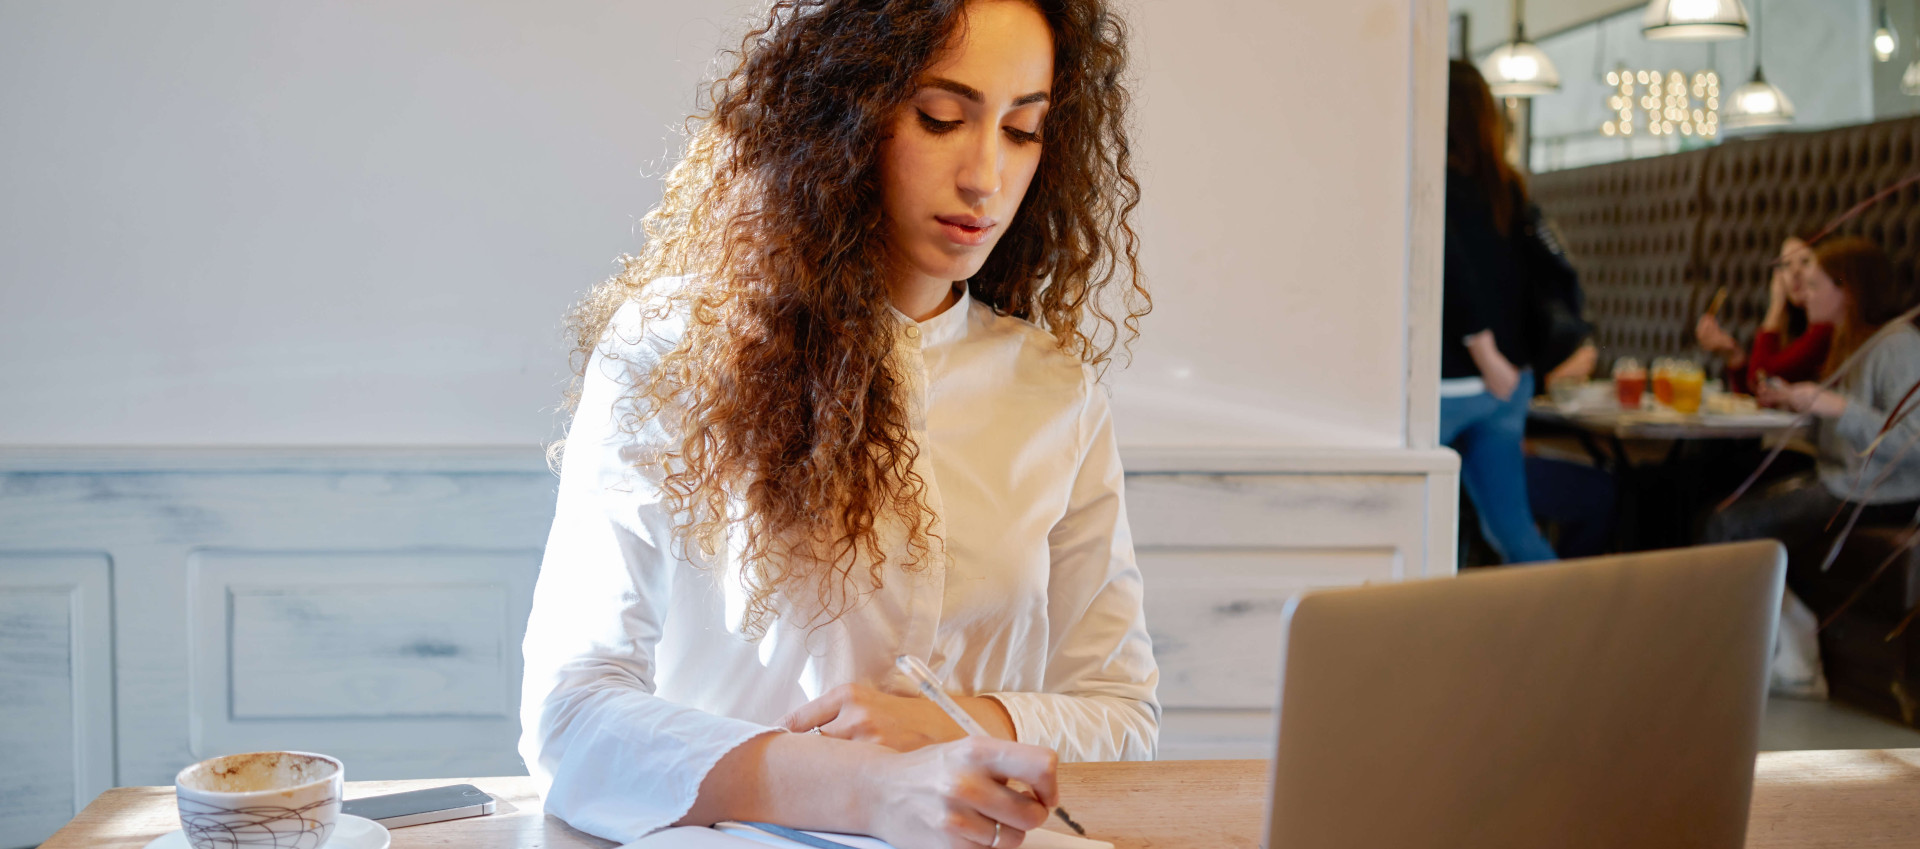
913,332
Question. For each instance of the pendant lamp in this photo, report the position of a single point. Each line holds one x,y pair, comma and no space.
1886,41
1519,68
1910,81
1758,103
1694,20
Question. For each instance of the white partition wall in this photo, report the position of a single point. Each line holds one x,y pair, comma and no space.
359,223
281,288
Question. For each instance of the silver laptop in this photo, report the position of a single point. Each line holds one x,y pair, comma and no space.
1611,702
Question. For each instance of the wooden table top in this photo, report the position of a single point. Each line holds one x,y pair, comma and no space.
1858,799
1665,424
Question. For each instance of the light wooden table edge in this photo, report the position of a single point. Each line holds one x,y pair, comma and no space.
1855,798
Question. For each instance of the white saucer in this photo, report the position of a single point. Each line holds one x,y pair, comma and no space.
349,832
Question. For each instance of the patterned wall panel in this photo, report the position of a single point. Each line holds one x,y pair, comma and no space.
1632,233
1760,191
1655,238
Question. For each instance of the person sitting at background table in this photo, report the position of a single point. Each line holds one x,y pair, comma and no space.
1788,346
846,407
1850,286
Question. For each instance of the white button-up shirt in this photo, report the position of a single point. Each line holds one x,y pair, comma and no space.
638,679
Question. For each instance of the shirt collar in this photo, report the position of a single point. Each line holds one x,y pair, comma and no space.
949,326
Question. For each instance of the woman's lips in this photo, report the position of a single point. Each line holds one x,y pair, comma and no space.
965,229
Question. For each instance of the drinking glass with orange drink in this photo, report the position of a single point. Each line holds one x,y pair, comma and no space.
1662,373
1688,381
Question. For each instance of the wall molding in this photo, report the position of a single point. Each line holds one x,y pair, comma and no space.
267,459
335,534
522,459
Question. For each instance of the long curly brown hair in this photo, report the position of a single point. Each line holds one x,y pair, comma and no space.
780,392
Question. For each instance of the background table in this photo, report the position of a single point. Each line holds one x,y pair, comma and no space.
1859,799
1668,468
1651,424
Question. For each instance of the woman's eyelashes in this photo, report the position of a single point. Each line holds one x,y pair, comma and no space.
938,127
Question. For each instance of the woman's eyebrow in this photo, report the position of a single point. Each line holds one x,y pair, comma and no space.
973,94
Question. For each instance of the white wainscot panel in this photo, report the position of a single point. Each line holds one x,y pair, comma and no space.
1215,616
1221,554
389,660
56,731
368,651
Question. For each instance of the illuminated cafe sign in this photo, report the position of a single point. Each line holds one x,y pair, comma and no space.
1656,104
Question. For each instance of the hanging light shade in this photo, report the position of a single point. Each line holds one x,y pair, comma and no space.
1758,104
1910,81
1886,41
1520,68
1694,20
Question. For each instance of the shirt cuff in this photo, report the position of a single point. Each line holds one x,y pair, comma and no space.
741,732
1077,728
1020,732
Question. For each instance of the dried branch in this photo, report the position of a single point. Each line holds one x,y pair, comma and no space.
1860,504
1902,627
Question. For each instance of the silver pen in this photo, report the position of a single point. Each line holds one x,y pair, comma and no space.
922,678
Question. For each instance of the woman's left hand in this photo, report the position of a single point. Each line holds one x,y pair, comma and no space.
901,723
1803,398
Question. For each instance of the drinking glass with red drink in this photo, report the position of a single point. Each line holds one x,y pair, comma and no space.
1629,382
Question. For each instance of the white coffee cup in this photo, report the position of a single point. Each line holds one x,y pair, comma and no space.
269,800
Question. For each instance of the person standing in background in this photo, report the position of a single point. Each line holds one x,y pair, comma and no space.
1486,376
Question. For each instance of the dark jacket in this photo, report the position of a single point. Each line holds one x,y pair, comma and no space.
1483,284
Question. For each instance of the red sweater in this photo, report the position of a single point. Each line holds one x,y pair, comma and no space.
1793,363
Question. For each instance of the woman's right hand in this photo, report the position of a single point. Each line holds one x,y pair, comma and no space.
1499,373
1714,339
950,795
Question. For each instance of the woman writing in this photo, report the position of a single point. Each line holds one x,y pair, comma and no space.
1787,346
1850,285
844,408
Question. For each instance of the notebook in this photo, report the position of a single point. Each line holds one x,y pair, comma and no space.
729,835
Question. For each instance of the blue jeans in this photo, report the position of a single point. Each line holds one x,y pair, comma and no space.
1487,432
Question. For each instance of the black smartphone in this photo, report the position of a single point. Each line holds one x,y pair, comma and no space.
397,810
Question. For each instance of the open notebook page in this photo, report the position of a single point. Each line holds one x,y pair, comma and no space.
736,836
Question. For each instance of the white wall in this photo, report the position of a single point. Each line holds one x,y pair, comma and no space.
339,222
360,223
1276,142
1492,20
